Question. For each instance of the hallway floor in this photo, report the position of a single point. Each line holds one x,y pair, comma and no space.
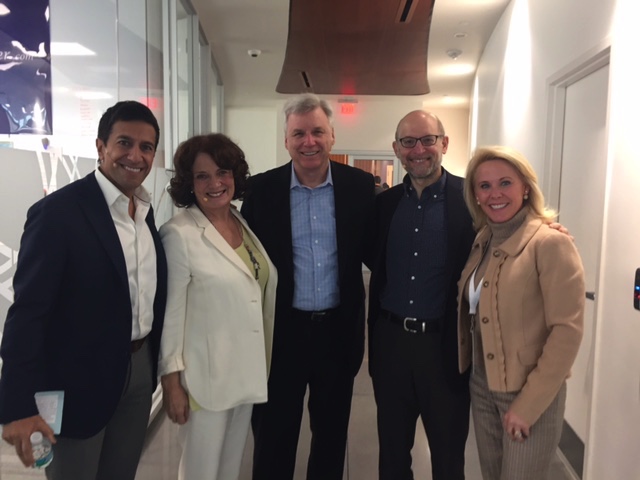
162,452
161,456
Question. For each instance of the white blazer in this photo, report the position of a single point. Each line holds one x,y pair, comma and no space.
217,331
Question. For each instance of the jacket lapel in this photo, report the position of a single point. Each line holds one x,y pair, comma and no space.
97,213
280,206
212,236
341,193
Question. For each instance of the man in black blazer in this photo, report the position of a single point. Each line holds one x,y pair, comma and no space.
423,238
311,215
90,291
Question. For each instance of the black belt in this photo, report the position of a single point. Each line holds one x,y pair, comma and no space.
411,324
137,344
317,316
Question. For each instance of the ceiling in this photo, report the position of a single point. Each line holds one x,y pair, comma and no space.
233,27
382,54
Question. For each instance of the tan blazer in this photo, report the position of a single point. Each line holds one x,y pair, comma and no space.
217,330
530,314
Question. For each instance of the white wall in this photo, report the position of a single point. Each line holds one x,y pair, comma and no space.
256,133
613,452
260,132
534,40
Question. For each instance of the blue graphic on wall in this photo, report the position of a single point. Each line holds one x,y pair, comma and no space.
25,67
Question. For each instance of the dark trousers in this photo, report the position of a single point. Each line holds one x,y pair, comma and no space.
114,452
409,382
316,355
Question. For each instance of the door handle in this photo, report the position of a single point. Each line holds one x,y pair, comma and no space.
590,295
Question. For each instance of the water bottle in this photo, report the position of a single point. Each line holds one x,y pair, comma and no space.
42,451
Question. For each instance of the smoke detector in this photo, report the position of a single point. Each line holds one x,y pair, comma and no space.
454,53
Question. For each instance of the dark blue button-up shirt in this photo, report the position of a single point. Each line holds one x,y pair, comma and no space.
416,254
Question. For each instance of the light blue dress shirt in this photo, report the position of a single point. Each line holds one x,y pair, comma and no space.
315,247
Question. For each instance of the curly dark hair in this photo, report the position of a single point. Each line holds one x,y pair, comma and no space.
225,153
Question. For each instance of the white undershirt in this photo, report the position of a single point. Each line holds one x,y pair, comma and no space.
138,249
474,293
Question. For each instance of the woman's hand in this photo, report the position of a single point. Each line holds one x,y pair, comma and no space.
175,398
515,427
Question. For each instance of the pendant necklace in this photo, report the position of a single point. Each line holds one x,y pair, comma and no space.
252,257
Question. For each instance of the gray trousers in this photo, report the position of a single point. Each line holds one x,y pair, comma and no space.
114,452
502,458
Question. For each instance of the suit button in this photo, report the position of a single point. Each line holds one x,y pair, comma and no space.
485,320
485,284
496,253
490,356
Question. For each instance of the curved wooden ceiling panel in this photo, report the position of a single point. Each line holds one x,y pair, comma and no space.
357,47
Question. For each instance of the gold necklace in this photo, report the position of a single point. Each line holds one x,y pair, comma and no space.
252,257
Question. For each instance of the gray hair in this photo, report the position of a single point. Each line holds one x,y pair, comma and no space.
305,103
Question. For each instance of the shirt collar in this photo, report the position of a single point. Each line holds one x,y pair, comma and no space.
436,188
112,193
296,183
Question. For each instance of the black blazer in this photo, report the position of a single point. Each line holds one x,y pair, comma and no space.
69,327
267,210
460,236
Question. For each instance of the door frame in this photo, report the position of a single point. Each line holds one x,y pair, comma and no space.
557,84
375,155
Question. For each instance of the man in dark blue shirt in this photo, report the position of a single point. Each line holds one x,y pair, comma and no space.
423,237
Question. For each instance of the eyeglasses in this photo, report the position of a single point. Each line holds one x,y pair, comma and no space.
426,141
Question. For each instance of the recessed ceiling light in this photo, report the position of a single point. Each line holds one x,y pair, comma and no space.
86,95
70,49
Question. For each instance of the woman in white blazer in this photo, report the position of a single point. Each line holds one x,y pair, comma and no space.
218,329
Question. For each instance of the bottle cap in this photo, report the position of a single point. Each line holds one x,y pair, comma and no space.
36,437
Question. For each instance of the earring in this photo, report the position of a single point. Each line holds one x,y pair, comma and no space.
477,201
526,196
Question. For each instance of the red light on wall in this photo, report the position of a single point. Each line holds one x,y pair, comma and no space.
152,102
347,108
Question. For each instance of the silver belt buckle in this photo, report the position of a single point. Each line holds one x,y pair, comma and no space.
407,329
317,316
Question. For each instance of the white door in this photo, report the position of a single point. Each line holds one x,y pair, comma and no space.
582,190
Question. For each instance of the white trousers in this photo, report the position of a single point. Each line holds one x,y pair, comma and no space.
213,443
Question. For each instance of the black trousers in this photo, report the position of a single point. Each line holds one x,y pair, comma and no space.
409,382
317,355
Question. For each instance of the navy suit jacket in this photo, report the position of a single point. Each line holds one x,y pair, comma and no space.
460,236
69,327
267,210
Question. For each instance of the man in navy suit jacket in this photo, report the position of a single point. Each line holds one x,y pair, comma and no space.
423,235
311,216
90,291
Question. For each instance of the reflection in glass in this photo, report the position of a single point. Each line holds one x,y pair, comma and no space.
377,168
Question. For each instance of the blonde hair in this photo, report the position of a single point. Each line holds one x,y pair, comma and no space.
535,202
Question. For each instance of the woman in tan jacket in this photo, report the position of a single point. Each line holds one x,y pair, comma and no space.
521,303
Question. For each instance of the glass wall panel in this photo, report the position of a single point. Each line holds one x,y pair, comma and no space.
184,70
155,77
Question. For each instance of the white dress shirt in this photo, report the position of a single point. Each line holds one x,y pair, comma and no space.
138,249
